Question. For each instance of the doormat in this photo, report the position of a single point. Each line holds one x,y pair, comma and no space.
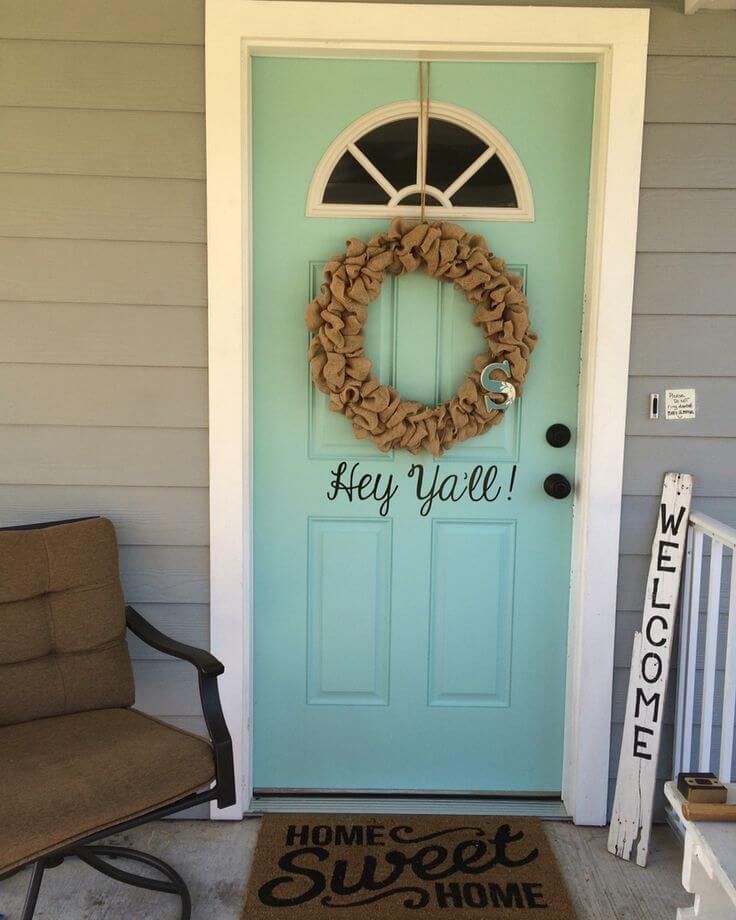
378,866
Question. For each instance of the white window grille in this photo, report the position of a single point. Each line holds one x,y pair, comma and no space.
375,168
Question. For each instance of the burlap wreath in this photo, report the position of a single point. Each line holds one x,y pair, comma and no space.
337,315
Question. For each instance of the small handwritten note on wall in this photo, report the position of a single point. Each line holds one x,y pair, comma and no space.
631,820
679,404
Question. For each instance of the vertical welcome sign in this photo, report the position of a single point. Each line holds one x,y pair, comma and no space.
631,820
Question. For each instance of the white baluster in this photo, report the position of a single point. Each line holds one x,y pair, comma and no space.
692,643
711,649
729,684
677,759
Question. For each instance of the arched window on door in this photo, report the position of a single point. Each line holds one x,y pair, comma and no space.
374,168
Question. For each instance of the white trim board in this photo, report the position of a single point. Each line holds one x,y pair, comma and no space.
616,40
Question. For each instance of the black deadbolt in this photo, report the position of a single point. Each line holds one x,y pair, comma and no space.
558,435
557,486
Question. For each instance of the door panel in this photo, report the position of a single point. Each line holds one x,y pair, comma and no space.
470,619
404,641
348,656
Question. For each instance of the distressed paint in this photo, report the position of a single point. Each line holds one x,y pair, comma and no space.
650,660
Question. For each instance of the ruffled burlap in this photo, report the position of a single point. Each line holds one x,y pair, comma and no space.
337,315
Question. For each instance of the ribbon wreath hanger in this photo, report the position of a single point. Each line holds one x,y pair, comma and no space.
423,136
446,251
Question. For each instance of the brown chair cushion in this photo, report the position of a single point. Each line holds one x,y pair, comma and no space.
62,622
68,776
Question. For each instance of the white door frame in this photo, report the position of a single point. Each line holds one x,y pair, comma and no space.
616,39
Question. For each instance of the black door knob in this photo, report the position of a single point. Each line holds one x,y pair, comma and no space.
558,435
557,486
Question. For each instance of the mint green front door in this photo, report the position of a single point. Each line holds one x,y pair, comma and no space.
404,641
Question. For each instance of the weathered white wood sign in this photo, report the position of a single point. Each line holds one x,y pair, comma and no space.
631,821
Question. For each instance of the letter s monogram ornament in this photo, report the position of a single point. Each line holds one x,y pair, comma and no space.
497,386
336,317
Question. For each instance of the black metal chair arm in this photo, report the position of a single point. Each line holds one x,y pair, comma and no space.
203,661
209,669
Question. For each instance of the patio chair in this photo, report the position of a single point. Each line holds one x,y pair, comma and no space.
77,761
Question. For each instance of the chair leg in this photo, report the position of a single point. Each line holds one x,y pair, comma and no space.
29,908
174,883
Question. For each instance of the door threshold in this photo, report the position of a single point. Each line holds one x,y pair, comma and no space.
397,804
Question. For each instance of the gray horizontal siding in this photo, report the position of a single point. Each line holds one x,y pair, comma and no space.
103,272
165,574
143,515
693,90
707,36
182,22
687,220
185,622
677,157
167,145
103,394
102,208
684,328
66,455
166,78
684,283
165,688
713,460
701,346
103,335
150,21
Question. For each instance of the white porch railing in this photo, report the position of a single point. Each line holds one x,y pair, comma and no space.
706,671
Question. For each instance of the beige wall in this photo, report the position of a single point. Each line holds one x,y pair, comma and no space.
103,294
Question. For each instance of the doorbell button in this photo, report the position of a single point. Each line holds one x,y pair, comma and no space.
558,435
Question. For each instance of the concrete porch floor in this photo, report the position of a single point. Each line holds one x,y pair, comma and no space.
214,859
